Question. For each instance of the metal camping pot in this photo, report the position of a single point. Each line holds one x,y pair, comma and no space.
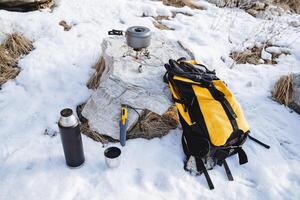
137,37
71,138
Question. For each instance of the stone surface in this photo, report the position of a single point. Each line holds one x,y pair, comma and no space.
19,2
122,82
294,101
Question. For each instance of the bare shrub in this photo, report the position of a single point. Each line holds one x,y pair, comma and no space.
282,90
181,3
14,46
254,55
158,22
95,79
153,125
17,45
291,5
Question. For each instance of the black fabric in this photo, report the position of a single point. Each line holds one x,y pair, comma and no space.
177,100
221,154
189,71
237,138
259,142
201,168
197,118
242,156
184,146
227,170
165,77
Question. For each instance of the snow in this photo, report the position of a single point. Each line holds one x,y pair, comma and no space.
54,75
265,55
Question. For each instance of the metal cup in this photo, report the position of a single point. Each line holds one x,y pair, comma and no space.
112,157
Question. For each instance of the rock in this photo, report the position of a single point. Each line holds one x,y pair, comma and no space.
66,26
294,101
261,8
122,83
252,12
23,5
19,2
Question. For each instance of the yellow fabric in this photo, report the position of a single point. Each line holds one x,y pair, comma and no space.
179,78
193,62
216,120
241,121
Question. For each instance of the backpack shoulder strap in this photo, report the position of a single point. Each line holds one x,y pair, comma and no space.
227,170
201,168
259,142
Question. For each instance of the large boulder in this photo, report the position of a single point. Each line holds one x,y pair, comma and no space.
136,82
295,96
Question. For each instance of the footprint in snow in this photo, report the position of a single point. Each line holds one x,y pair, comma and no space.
29,166
290,150
161,182
139,177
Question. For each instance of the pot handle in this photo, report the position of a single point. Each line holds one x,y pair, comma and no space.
115,32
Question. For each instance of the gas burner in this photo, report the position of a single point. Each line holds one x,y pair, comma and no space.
138,54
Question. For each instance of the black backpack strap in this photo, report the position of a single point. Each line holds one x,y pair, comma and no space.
227,170
242,156
259,142
165,77
201,168
220,97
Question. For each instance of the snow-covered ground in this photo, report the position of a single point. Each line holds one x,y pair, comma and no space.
53,76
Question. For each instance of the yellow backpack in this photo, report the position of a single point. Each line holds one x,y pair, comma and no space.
214,126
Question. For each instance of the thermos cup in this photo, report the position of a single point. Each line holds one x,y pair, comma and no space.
71,138
112,157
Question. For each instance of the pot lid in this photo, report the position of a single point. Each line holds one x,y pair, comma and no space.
138,31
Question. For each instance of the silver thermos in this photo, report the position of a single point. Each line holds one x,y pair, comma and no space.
71,138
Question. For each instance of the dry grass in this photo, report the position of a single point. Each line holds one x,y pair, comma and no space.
65,25
291,5
94,81
161,26
7,66
17,45
152,125
158,20
14,46
181,3
253,56
282,90
46,4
